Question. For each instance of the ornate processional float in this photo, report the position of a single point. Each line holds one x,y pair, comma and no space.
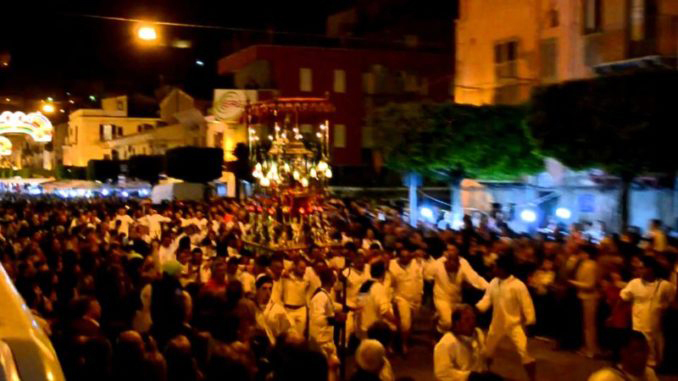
289,148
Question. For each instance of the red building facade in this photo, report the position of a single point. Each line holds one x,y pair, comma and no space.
355,80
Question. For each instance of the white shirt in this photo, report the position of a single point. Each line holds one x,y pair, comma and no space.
313,280
649,300
407,282
511,304
153,221
295,291
375,304
355,279
616,374
276,320
448,286
166,254
125,221
455,358
321,309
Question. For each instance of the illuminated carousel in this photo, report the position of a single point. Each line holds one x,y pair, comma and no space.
289,150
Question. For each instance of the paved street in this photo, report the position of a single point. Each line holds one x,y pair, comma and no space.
551,365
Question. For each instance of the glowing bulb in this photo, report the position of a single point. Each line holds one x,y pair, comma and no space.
265,182
528,215
322,127
147,33
322,166
427,213
286,167
277,128
563,213
313,173
270,137
48,108
328,173
318,134
304,182
295,174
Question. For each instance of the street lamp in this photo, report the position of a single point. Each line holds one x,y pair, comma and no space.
48,108
147,33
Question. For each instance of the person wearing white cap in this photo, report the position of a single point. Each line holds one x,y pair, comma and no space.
372,362
460,352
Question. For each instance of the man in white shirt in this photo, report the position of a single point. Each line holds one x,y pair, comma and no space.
125,222
650,297
658,236
296,291
166,251
460,352
512,308
449,273
407,280
634,353
374,304
270,316
323,315
153,221
355,276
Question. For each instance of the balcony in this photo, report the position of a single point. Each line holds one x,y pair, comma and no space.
655,44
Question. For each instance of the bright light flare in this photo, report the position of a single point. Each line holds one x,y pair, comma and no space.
528,215
563,213
147,33
48,108
426,213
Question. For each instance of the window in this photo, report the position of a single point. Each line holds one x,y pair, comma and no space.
549,60
305,79
339,136
553,18
339,81
119,130
592,16
506,59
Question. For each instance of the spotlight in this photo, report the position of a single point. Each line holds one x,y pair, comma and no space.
563,213
528,215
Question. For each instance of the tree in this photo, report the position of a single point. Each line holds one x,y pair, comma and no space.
146,167
451,142
620,124
103,170
195,164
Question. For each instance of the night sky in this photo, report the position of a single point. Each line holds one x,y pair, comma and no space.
55,49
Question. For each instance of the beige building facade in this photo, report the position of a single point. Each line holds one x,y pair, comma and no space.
505,48
111,133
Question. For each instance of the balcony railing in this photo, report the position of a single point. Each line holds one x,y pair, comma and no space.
658,37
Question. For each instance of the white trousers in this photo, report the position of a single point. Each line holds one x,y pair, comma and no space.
298,318
516,334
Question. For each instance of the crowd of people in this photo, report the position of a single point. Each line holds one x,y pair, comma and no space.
128,290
